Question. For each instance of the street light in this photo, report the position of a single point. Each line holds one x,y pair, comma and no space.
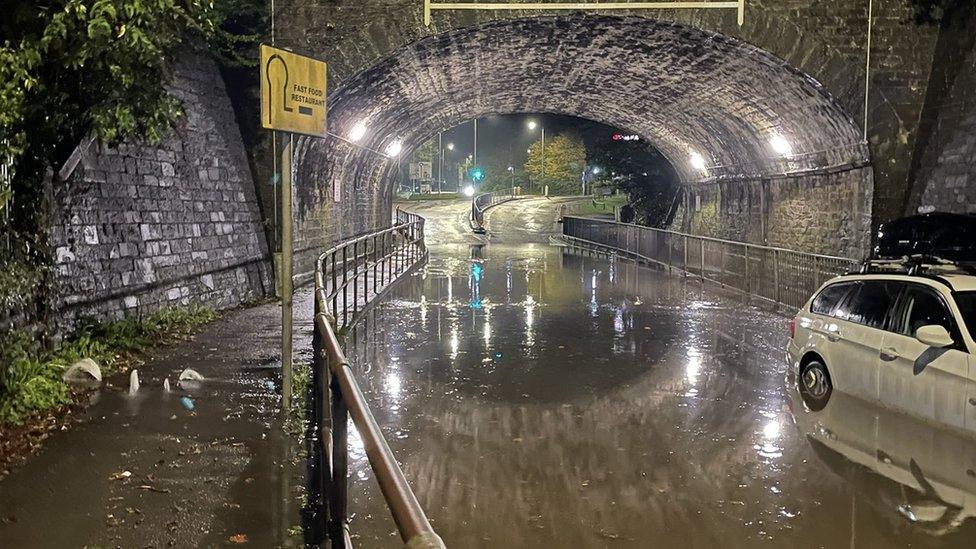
532,126
440,165
358,131
394,148
780,145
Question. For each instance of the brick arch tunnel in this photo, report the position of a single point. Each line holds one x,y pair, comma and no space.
747,133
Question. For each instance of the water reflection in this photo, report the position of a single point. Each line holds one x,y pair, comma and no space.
590,402
912,471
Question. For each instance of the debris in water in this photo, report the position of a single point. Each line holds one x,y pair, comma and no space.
134,382
187,403
238,539
120,475
82,371
190,375
166,385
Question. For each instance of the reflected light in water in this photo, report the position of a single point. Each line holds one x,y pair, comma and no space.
593,303
529,320
770,434
694,365
487,332
393,384
455,342
357,450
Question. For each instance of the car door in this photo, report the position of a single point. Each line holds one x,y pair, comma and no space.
966,304
860,335
931,383
825,328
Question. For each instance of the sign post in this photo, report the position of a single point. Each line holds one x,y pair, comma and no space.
293,100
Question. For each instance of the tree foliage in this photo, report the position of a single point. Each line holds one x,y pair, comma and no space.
645,176
565,159
70,68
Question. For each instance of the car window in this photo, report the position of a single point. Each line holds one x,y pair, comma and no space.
922,307
967,306
872,301
829,298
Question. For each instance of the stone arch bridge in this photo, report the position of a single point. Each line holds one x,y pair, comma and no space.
692,82
140,227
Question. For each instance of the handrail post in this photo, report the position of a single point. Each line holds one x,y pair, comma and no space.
685,264
748,282
776,273
345,280
355,278
702,271
317,458
338,505
335,296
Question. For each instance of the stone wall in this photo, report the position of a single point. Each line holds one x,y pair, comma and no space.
828,214
141,227
946,179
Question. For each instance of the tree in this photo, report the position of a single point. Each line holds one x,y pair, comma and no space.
498,177
565,159
642,172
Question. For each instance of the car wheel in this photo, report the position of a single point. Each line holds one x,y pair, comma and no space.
815,385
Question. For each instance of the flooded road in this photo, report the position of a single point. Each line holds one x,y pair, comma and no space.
537,397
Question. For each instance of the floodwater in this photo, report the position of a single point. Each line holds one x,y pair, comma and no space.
537,397
204,464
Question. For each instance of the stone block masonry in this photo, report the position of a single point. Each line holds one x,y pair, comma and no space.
139,227
827,214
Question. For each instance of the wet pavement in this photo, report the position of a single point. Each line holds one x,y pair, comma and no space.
539,397
207,464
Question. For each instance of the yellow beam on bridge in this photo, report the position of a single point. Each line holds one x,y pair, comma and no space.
738,5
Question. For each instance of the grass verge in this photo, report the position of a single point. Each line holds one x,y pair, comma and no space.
601,205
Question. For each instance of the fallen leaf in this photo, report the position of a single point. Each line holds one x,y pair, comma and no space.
238,538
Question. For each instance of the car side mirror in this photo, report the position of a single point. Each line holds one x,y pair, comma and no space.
934,335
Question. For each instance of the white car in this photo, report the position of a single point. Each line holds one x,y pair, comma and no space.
904,340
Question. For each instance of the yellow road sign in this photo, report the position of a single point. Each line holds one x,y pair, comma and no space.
293,92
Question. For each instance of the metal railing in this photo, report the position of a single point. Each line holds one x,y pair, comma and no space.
779,275
377,259
482,202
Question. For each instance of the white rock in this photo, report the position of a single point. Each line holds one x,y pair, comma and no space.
134,382
190,375
83,370
166,385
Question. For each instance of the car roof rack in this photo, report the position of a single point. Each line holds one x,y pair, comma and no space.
916,265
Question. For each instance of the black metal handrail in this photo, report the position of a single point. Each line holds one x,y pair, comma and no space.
780,275
385,255
482,202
